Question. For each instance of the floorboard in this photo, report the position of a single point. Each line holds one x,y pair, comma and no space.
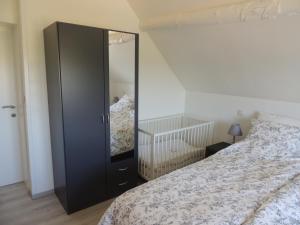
17,208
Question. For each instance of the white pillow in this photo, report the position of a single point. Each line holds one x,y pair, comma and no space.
273,131
279,119
276,139
298,145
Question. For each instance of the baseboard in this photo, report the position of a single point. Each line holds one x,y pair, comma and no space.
41,194
7,185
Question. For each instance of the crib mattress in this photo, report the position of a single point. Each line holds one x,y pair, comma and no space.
168,156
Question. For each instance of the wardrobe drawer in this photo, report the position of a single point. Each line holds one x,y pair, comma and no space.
119,188
122,176
121,171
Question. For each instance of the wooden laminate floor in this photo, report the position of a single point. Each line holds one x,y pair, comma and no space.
17,208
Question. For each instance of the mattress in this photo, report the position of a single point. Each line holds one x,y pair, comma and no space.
169,154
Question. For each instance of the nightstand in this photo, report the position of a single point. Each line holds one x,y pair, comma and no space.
213,149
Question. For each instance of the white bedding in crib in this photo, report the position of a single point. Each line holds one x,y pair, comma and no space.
169,153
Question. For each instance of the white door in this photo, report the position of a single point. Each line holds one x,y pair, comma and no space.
10,152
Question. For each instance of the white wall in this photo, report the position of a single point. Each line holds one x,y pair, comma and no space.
120,89
160,91
253,59
121,62
257,58
121,69
8,11
226,109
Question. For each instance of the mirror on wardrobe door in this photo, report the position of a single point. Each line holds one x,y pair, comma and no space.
121,92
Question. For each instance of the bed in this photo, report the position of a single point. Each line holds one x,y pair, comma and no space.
122,126
253,182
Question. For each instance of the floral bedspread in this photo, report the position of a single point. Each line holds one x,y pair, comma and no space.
243,184
121,132
122,126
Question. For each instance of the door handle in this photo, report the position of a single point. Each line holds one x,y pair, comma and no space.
103,119
123,169
124,183
8,107
108,118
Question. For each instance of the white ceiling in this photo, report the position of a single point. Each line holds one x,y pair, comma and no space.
146,9
254,59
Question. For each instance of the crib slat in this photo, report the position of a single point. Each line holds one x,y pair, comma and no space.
206,135
159,138
194,152
198,154
176,148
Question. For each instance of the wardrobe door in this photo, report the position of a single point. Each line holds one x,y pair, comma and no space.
83,97
122,105
55,111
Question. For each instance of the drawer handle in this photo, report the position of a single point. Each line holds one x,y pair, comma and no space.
124,183
123,169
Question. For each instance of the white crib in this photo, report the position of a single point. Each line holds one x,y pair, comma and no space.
169,143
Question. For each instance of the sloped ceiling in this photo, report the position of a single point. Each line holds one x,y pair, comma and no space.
258,58
146,9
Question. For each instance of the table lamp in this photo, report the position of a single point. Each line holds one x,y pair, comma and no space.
235,131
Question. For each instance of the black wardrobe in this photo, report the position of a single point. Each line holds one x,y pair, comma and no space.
83,100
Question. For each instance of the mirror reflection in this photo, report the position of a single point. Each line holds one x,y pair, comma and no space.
121,91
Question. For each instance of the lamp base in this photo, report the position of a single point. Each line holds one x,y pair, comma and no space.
233,141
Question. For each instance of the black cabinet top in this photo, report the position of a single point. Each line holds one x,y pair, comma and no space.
219,146
212,149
